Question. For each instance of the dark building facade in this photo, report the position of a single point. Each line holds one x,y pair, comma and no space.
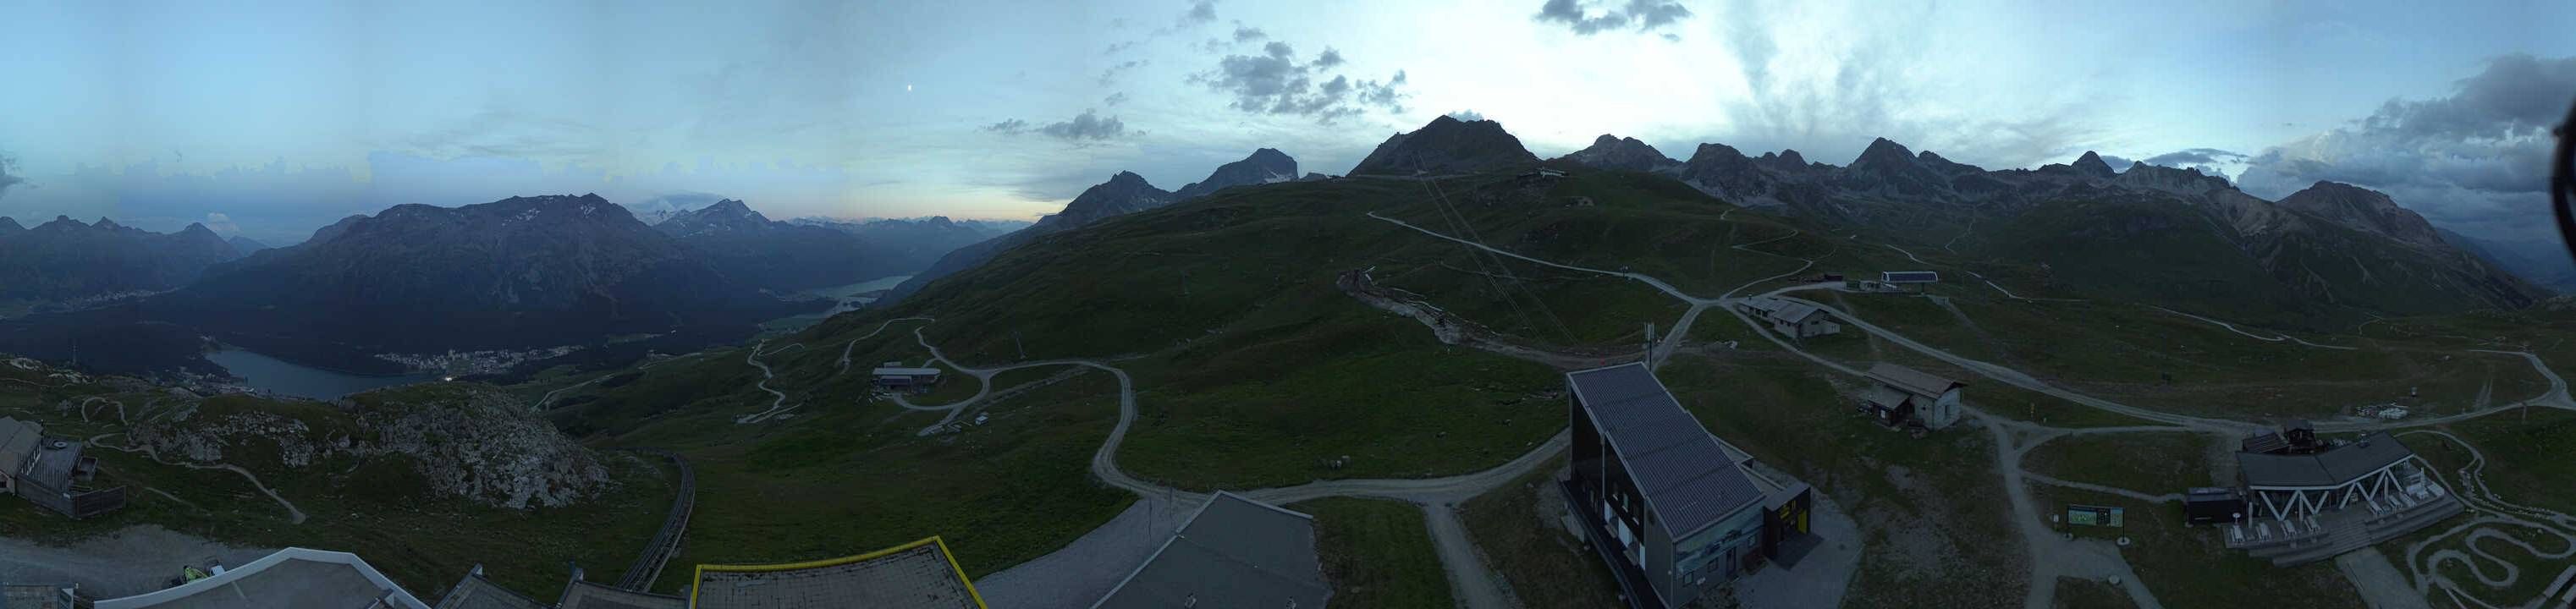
1672,508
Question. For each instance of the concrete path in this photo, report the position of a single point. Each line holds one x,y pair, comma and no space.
2379,582
131,561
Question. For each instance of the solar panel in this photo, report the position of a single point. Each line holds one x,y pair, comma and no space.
1909,276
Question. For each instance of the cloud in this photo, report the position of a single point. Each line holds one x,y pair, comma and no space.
2195,156
1828,96
1467,115
1202,12
1008,127
1110,76
1115,99
1085,127
1275,82
2117,163
1331,58
1248,34
7,176
1115,47
221,224
1644,15
2476,161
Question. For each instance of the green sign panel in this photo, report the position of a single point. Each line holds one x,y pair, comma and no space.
2094,515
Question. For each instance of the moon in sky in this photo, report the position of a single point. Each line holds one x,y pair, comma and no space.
907,87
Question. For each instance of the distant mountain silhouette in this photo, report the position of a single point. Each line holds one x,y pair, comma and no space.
66,259
1446,145
778,256
519,272
1124,193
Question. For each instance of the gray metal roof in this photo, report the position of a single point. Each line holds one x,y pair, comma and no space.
586,595
1912,381
1235,552
2333,467
475,592
292,577
1796,312
919,574
1686,477
53,463
17,443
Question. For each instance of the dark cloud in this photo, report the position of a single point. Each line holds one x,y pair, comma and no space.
1115,99
2195,157
2118,163
1275,82
1330,59
1115,47
1248,34
1644,15
2475,161
8,175
1202,12
1083,128
1110,76
1008,127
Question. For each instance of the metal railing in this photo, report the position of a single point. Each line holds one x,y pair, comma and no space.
666,543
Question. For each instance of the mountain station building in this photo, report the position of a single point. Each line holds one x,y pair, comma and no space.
1795,320
2307,499
1905,396
894,376
1676,512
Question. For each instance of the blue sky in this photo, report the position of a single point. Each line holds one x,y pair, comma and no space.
273,118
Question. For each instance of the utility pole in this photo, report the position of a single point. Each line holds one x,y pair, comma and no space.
1650,346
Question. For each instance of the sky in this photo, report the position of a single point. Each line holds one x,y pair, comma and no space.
270,119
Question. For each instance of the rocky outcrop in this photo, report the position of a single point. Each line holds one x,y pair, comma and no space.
459,442
1446,146
1265,166
1614,152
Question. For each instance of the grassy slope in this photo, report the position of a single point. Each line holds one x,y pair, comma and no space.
1546,566
1377,553
1927,506
2190,567
2151,463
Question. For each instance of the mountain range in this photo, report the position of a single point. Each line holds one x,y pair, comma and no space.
66,259
521,272
1124,193
2150,230
779,256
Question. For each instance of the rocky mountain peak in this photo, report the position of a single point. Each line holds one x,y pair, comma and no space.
2364,210
727,215
1883,153
105,223
1446,145
2093,165
1614,152
1264,166
1789,156
10,225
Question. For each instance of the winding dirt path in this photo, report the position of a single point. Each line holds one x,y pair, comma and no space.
293,515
